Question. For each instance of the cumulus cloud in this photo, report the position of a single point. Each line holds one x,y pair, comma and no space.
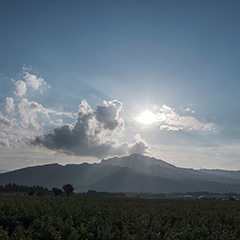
33,81
31,114
9,104
108,114
29,81
140,146
21,88
169,119
94,133
11,138
28,112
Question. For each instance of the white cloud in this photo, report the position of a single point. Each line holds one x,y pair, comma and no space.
33,81
56,123
140,146
30,81
4,121
28,112
21,88
9,104
57,113
169,119
32,114
31,119
189,110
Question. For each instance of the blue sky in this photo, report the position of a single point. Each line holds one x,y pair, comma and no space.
178,60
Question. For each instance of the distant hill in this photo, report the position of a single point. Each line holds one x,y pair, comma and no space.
134,173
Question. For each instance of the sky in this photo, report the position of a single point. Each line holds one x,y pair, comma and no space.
82,81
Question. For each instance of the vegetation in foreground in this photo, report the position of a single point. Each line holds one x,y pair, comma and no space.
46,217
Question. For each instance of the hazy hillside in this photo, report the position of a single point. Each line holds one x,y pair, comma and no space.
134,173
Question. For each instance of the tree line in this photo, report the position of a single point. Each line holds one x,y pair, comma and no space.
36,189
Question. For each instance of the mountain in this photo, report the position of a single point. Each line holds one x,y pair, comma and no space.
134,173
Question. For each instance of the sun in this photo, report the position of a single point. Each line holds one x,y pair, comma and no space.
147,118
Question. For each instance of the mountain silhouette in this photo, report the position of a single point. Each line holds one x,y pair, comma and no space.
134,173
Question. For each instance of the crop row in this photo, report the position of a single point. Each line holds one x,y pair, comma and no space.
25,217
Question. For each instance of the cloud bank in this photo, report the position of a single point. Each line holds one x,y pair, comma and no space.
95,133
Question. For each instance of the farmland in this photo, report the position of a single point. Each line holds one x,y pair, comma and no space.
48,217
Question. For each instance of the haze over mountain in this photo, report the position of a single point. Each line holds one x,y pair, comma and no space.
134,173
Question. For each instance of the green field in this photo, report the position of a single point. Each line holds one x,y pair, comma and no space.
25,217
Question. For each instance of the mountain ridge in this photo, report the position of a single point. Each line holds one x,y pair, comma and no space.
134,173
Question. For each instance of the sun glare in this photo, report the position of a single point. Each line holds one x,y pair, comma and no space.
147,118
